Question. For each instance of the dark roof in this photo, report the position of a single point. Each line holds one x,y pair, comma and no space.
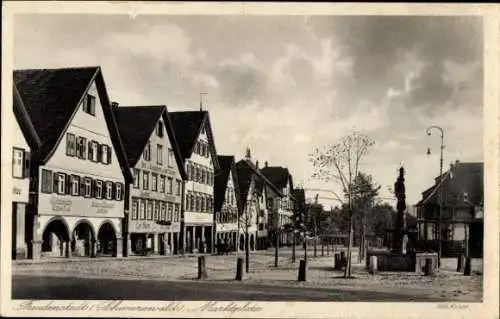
227,165
278,175
24,121
299,195
247,171
52,97
187,127
137,123
461,178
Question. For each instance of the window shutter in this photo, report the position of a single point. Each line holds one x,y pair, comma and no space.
67,178
100,157
55,180
93,188
82,186
113,190
91,151
27,164
108,161
84,148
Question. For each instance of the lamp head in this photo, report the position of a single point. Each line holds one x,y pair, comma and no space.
428,151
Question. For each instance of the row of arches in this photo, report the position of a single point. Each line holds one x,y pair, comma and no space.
242,242
82,241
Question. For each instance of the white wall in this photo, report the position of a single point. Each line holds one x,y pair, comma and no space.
20,187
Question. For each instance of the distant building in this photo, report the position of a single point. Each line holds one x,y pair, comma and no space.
462,211
79,174
193,132
226,194
25,140
258,198
282,179
156,194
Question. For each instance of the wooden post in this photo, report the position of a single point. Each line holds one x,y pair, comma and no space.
467,268
302,270
202,269
239,269
428,268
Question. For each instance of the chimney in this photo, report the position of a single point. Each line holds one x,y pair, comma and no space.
457,161
257,164
114,104
265,164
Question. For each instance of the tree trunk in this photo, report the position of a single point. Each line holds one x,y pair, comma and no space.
347,272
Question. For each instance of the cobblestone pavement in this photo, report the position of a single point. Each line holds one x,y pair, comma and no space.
444,285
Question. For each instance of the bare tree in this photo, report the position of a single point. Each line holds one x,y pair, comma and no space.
340,163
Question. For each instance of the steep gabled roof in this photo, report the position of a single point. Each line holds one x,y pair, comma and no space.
187,127
248,172
462,177
24,121
227,166
52,97
278,175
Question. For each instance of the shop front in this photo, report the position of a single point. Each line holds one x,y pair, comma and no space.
153,237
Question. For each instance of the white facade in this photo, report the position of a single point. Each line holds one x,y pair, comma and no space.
156,196
20,164
249,218
81,184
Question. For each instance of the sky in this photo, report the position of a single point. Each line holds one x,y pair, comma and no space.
284,85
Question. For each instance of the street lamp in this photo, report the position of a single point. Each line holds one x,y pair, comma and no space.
440,200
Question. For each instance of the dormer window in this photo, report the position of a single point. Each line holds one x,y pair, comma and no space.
89,104
159,129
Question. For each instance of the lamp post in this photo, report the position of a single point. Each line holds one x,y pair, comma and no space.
440,194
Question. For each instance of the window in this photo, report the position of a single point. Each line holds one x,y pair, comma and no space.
89,104
105,154
119,191
159,154
109,190
93,151
177,187
188,171
60,181
136,174
135,208
157,211
188,201
145,180
75,185
70,144
87,187
193,173
170,185
170,208
177,213
171,158
18,163
147,152
196,203
154,182
162,184
98,189
196,174
47,181
159,129
163,211
150,210
142,212
81,147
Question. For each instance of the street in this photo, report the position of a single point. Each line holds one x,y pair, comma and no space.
79,288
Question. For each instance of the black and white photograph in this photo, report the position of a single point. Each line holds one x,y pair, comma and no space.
236,158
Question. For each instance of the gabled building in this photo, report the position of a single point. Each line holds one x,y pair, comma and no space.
79,174
462,211
258,199
193,132
24,141
226,194
282,179
153,222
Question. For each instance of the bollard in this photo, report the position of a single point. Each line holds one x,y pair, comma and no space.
338,264
367,262
460,263
467,268
343,259
428,269
373,265
302,270
239,269
202,269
